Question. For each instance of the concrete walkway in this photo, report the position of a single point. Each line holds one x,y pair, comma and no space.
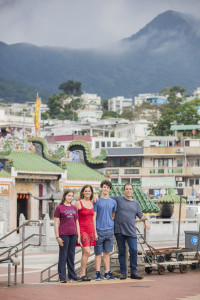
171,286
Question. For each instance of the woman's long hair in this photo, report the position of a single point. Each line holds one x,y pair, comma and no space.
83,189
66,192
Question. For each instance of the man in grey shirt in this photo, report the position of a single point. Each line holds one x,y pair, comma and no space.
124,227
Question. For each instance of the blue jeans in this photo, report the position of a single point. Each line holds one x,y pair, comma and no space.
132,244
66,256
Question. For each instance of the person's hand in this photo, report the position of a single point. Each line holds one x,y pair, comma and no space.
60,242
79,241
95,198
96,237
146,225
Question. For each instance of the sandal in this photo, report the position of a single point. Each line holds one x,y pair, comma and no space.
84,278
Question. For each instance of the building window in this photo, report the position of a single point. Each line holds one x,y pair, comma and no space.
96,145
135,180
175,170
113,171
163,162
194,181
114,180
131,171
124,162
108,144
194,162
103,144
179,162
125,180
157,171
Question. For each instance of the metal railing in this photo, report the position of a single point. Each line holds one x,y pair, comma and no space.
22,243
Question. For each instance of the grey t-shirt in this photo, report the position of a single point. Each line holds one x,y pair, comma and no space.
125,216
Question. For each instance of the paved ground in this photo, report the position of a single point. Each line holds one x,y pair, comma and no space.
171,286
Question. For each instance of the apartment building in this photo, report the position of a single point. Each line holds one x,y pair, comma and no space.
157,168
154,99
119,103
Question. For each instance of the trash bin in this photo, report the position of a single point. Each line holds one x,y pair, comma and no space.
192,240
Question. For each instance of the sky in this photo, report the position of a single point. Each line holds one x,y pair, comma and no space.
81,23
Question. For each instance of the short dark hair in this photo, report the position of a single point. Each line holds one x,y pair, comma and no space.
128,183
106,182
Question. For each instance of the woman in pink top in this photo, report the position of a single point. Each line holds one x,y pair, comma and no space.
67,233
87,226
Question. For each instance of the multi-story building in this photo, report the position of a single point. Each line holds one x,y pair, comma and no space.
154,99
134,130
158,168
119,103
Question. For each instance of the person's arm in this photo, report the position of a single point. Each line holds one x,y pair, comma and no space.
146,222
94,222
78,233
56,225
113,215
95,198
77,205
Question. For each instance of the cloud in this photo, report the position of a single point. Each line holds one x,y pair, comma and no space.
78,23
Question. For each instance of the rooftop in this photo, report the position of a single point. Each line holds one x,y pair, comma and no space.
79,171
32,163
146,203
124,151
184,127
4,174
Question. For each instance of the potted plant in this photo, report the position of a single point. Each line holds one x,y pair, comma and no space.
167,204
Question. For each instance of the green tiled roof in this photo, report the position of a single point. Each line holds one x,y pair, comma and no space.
4,174
31,162
79,171
146,203
184,127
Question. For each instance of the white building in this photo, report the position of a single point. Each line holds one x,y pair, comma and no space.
119,103
91,100
134,131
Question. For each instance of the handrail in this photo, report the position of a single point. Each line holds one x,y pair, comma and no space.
23,226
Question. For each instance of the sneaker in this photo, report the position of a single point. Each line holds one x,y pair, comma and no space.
135,276
123,276
77,279
62,281
109,275
98,275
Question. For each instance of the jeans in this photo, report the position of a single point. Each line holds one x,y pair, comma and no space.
132,244
66,256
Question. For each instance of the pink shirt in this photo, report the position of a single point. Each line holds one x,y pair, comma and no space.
68,216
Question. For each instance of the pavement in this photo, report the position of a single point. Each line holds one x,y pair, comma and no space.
170,286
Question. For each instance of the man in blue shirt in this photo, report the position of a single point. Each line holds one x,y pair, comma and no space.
104,208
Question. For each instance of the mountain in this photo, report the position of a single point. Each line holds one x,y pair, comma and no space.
163,53
12,91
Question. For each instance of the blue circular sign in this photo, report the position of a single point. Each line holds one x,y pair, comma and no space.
194,240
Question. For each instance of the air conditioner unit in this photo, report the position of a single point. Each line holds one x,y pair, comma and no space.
179,178
181,184
179,150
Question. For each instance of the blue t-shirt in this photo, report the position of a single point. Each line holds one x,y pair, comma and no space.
104,209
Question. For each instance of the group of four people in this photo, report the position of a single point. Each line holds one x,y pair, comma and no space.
93,221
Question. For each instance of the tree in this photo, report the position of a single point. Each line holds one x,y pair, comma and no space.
71,88
54,106
109,114
44,116
185,113
105,104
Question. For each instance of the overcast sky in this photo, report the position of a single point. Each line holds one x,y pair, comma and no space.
81,23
